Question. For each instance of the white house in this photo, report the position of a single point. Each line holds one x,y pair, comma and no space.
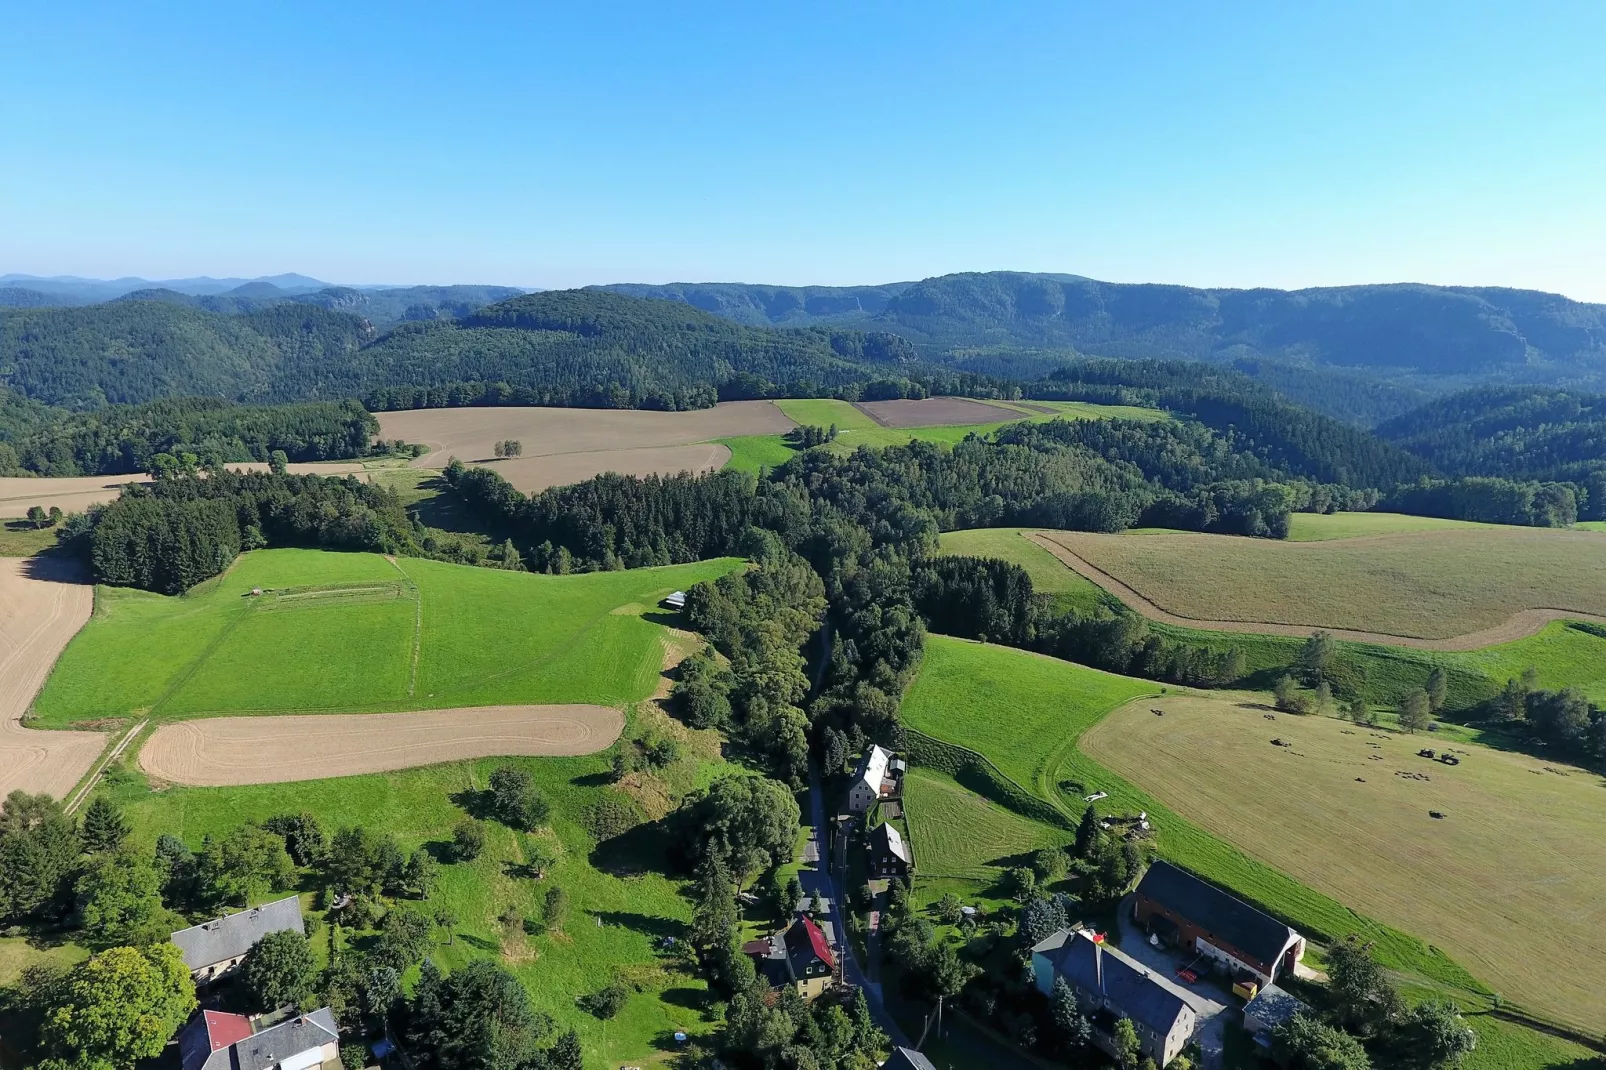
870,783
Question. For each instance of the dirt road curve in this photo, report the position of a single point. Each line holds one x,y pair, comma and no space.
42,606
1518,626
226,751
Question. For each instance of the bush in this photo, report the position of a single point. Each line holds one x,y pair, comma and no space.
611,815
607,1002
354,1056
468,840
515,800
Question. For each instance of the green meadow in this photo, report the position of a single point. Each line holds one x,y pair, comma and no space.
621,904
1069,588
359,633
958,833
1026,713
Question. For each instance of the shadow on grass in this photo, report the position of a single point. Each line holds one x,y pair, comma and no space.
658,928
592,780
479,943
641,850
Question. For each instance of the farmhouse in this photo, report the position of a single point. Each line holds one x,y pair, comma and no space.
214,1040
1114,986
875,779
907,1059
215,947
1186,912
800,956
1270,1008
889,854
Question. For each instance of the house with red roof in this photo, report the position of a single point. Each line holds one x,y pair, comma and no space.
801,956
214,1040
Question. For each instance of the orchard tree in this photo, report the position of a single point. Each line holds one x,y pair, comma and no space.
279,971
468,840
121,1006
1436,1035
515,799
1416,712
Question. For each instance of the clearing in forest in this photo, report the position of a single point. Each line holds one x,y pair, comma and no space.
348,633
1508,881
1453,589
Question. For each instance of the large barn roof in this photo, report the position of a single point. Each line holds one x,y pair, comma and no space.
230,937
1226,916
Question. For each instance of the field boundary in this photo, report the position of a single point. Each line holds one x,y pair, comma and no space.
1519,625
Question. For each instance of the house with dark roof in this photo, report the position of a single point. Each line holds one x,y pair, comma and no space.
800,956
1270,1008
1110,985
889,854
1189,913
214,1040
907,1059
215,947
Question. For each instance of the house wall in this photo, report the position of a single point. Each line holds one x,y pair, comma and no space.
217,969
1192,935
1043,973
860,797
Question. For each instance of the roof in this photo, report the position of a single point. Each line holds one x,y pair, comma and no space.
230,937
290,1037
885,837
873,768
907,1059
804,939
1052,942
1244,927
1137,992
1272,1007
209,1033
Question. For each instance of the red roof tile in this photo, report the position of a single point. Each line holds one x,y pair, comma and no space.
225,1029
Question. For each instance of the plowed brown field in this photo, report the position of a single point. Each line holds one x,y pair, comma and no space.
42,606
936,412
567,445
227,751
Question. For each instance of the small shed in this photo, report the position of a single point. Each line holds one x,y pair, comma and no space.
675,600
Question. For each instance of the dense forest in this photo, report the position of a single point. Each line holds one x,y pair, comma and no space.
1510,432
123,439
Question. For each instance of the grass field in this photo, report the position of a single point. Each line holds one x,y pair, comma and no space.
1592,525
1514,867
1049,574
977,682
354,632
957,833
1322,527
18,538
635,911
1429,585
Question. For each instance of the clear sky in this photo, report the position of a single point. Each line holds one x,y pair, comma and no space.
536,144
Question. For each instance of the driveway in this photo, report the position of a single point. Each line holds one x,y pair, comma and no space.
1208,1001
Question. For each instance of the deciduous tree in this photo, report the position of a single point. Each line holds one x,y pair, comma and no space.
279,970
122,1005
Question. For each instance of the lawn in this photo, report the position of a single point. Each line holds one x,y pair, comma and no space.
1049,575
482,637
957,833
1430,585
615,920
1514,867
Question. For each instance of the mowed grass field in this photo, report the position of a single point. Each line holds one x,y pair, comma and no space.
1428,584
634,903
1322,527
979,681
958,833
1050,576
1509,882
342,632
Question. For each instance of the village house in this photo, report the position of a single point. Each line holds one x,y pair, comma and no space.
1183,911
214,1040
800,956
213,948
907,1059
1110,985
875,779
889,855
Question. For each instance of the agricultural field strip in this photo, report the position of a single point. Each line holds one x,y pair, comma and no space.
232,751
1518,625
42,606
1512,868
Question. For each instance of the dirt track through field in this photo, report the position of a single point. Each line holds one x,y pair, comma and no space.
229,751
936,412
1519,625
42,606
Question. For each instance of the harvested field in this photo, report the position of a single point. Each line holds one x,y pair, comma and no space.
471,434
1457,589
43,603
531,474
1508,882
230,751
74,494
936,412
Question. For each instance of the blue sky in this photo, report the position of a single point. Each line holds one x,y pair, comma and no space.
1279,144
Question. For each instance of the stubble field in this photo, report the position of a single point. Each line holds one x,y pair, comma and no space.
1508,881
1453,589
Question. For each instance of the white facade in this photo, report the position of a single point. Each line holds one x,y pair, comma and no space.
866,788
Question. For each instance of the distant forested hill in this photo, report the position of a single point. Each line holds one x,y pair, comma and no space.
1514,432
1429,337
20,297
381,307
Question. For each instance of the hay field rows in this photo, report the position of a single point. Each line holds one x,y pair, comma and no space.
445,636
1509,882
224,751
1458,588
958,833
